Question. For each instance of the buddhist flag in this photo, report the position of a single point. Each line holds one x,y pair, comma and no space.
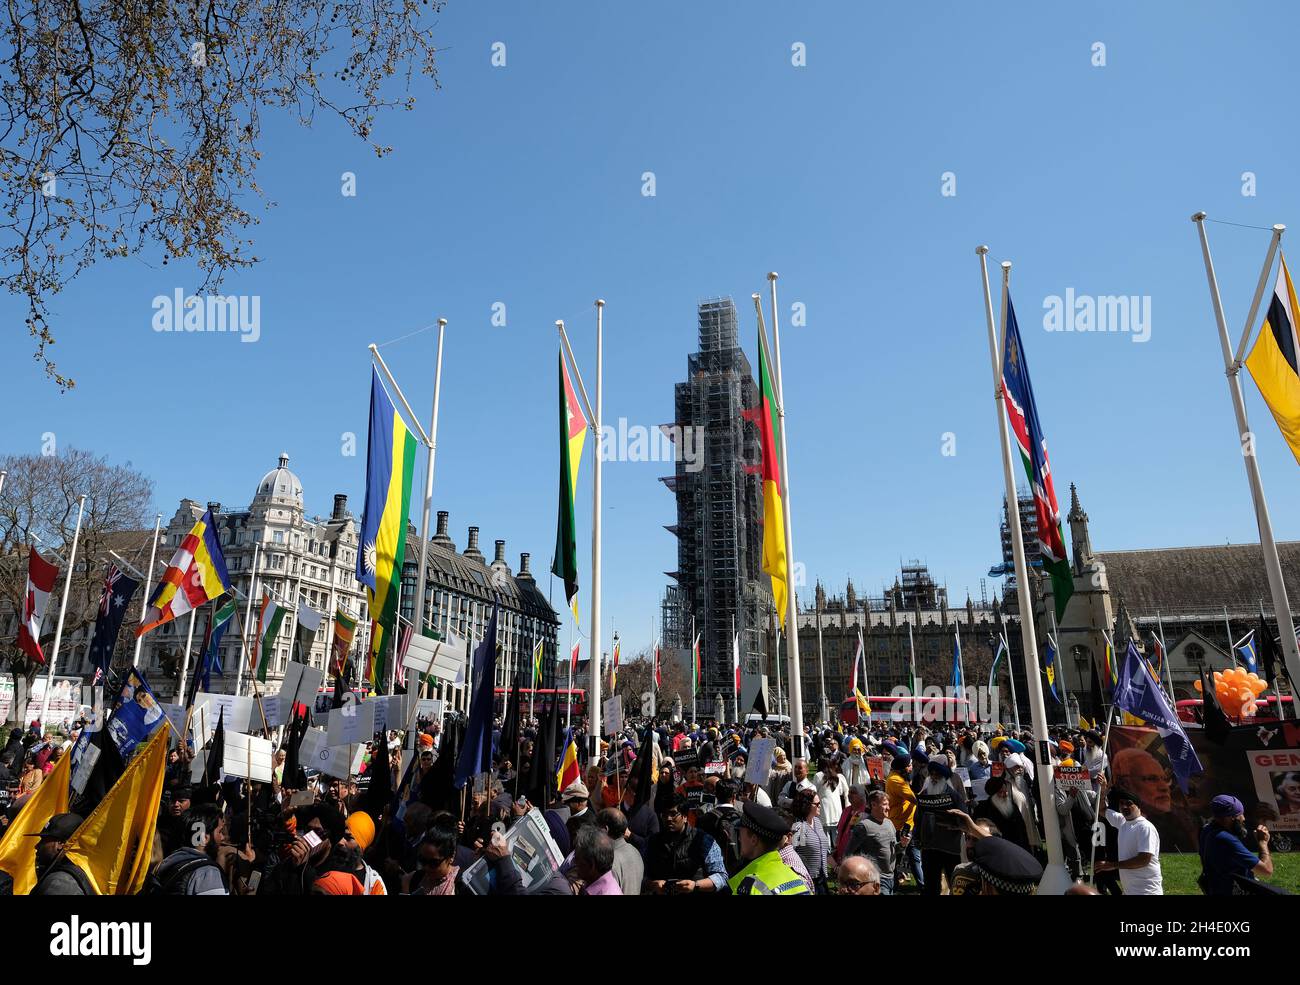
1272,361
113,846
774,559
695,665
390,462
268,628
18,845
40,583
1022,415
196,574
573,434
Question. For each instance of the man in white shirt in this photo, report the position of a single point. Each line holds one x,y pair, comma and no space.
1139,844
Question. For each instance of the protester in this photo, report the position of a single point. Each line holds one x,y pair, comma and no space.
875,837
858,876
682,858
628,866
1139,844
1224,855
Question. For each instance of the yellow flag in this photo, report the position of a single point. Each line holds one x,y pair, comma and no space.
18,848
1272,361
114,845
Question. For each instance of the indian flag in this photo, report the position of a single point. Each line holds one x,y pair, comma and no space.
268,628
390,463
573,434
774,559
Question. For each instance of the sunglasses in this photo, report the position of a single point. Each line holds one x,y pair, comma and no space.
853,886
432,863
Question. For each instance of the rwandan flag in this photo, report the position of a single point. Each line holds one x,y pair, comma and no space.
573,434
196,574
390,462
1022,413
774,559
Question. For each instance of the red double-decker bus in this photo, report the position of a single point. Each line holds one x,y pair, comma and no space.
570,700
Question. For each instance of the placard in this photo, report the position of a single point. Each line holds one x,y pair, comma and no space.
248,756
716,768
535,854
270,711
1075,777
339,761
176,715
876,768
391,711
354,722
301,684
759,764
208,710
964,774
89,756
684,759
445,659
611,713
313,741
428,710
977,790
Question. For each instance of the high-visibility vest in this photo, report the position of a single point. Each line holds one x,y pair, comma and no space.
770,877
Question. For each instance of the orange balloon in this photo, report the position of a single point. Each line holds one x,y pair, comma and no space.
1197,684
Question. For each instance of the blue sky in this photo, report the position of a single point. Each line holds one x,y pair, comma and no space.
522,184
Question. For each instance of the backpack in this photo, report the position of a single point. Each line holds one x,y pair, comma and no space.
176,880
722,829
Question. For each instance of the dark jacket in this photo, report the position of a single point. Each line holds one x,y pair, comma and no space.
190,872
64,878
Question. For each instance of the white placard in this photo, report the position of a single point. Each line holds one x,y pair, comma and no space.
759,763
339,761
429,710
248,756
354,722
271,709
964,774
301,681
611,713
390,711
313,741
89,756
208,710
176,715
443,659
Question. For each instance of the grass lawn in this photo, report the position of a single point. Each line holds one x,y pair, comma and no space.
1180,872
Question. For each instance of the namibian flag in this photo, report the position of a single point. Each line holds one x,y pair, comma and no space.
196,574
774,559
389,465
1022,414
1272,361
573,434
568,771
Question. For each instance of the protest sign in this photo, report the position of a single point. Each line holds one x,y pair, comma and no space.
339,761
313,741
208,710
612,714
876,768
1076,777
300,685
684,759
175,714
715,768
759,763
444,659
428,710
534,853
270,704
391,710
248,756
977,790
963,774
354,722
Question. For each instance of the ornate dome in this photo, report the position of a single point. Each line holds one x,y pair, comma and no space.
280,486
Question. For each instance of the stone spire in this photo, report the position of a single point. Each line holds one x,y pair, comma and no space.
1079,539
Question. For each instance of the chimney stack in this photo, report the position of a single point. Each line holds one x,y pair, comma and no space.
501,551
523,567
441,537
471,549
214,507
340,506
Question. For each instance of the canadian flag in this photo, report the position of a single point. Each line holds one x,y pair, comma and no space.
40,582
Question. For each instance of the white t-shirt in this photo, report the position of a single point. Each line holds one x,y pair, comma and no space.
1136,837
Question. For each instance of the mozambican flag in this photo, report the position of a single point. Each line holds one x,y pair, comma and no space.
390,462
196,574
1272,360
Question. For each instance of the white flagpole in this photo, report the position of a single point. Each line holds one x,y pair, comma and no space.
821,662
1011,675
1232,368
695,684
248,615
1056,878
792,598
779,696
1060,664
189,642
63,609
568,710
593,706
148,583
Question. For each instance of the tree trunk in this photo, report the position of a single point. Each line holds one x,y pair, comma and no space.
22,692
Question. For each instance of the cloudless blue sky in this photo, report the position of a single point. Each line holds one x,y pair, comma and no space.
522,185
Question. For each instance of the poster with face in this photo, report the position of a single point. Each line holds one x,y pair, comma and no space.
1140,765
1276,773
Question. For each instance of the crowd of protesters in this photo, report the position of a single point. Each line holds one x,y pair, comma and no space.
659,808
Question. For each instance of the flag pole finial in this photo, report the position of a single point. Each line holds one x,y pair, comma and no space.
600,302
442,322
1198,216
1279,228
1006,264
771,275
982,250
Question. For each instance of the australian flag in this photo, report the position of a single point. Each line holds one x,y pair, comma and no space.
113,603
1138,694
1022,415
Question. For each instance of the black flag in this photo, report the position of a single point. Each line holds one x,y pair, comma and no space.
510,725
1212,716
113,601
1098,702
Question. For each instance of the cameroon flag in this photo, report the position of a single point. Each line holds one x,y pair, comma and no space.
1272,361
389,465
573,434
774,559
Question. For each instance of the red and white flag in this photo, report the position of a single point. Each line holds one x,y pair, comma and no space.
658,676
574,656
40,583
